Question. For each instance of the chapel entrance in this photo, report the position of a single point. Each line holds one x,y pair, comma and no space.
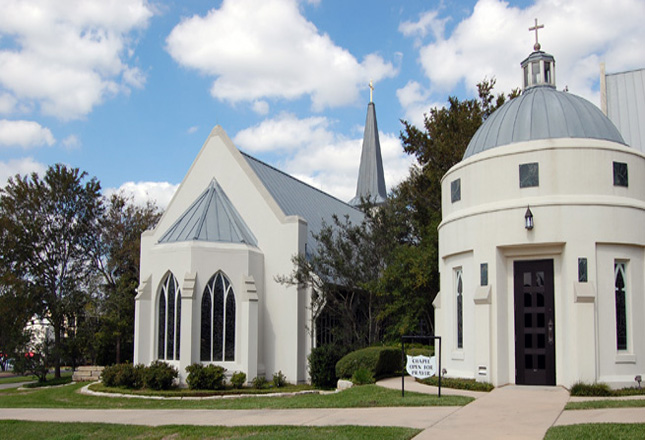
534,323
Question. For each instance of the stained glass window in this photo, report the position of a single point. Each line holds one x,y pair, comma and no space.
218,320
169,318
460,308
621,306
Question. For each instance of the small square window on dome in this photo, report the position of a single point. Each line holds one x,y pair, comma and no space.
620,174
529,175
455,190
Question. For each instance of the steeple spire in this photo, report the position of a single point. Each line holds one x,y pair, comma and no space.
371,180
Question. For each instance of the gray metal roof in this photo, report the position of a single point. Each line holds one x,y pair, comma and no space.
212,217
626,105
371,181
542,113
297,198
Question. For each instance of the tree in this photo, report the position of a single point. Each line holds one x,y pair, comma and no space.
116,254
413,272
342,273
50,224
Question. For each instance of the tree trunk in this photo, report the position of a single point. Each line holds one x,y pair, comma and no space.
57,351
118,348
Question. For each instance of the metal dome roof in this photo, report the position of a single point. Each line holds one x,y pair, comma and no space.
542,113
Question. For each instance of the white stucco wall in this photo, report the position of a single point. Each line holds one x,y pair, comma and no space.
282,342
578,212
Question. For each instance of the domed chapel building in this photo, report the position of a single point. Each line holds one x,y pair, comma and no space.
542,245
208,291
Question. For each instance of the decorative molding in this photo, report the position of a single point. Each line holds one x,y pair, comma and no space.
144,291
251,289
584,292
188,289
483,295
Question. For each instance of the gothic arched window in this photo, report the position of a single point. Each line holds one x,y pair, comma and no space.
169,319
218,320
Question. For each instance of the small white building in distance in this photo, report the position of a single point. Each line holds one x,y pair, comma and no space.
208,291
542,245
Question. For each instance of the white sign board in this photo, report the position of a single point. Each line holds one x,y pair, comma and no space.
421,367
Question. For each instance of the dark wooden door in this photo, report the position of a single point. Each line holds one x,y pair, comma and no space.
534,323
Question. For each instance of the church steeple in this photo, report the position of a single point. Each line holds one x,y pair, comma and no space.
371,181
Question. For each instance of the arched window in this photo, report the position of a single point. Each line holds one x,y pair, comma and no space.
218,320
169,319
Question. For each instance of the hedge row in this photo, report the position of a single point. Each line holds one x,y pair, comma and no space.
381,361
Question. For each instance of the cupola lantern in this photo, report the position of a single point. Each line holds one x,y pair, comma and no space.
539,68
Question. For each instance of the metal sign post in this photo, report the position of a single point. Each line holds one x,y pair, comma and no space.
437,354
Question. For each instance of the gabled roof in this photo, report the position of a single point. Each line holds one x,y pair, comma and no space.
212,217
371,180
295,197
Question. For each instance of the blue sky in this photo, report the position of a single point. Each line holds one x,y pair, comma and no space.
128,90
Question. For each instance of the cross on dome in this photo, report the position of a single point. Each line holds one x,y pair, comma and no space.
536,28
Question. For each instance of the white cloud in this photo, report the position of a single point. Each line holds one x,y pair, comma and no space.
7,103
159,192
23,166
286,132
71,142
192,129
261,107
416,102
309,150
494,39
258,49
68,56
24,134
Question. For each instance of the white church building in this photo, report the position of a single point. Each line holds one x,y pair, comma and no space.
208,289
542,245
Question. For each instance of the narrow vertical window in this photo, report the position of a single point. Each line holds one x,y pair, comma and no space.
582,270
161,334
455,190
483,274
207,306
169,319
621,305
170,328
229,350
218,318
460,308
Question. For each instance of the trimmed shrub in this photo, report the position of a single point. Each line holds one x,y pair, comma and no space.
381,361
322,365
416,351
279,379
123,375
260,382
362,376
459,383
159,376
209,377
238,379
595,389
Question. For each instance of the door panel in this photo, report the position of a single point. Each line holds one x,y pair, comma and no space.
534,323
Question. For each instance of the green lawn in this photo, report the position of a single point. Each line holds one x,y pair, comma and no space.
597,431
609,403
19,430
356,397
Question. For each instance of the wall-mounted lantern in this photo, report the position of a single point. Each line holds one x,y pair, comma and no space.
528,219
